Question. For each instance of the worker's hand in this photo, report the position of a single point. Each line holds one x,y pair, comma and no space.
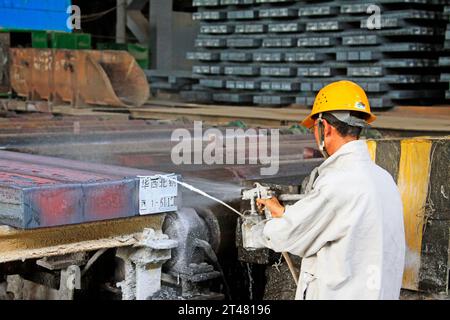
273,205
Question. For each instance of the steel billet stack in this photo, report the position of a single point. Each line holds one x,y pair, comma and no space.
169,81
279,52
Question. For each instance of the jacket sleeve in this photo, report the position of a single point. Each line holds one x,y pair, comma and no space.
308,225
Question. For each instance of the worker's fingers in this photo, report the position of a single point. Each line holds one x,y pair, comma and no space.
273,205
261,202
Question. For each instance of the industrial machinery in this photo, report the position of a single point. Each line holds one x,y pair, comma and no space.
163,256
80,77
62,219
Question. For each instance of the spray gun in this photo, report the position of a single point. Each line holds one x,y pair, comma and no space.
259,192
253,218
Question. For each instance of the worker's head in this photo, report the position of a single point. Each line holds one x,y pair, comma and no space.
340,112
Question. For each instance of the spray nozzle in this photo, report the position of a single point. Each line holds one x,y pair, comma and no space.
258,192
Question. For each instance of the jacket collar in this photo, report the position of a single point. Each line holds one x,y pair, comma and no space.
354,150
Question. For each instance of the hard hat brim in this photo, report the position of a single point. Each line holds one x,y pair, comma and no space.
309,121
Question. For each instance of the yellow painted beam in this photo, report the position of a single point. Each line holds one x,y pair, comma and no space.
372,146
16,245
413,181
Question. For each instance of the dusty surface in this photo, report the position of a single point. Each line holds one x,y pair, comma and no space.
412,295
18,244
280,285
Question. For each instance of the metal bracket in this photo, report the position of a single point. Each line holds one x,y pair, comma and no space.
156,240
70,280
63,262
143,264
136,21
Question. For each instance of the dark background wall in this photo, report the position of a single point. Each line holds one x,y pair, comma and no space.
172,29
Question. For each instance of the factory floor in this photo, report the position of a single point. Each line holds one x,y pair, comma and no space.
140,138
401,121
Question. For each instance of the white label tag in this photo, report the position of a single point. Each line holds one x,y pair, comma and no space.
157,195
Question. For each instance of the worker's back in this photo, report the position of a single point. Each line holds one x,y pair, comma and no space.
374,243
348,229
371,253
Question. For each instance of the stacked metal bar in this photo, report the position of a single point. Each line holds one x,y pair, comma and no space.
278,52
444,60
169,81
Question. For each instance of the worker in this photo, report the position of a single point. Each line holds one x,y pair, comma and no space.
348,228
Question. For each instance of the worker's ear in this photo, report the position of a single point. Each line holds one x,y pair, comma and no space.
328,129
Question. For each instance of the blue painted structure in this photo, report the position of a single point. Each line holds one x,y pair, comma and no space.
34,15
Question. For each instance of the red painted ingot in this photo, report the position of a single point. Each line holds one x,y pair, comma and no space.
110,202
79,76
63,205
24,180
52,192
53,207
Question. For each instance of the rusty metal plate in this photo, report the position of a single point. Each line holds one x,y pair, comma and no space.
80,77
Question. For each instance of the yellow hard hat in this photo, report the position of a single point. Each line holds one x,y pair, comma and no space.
340,96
